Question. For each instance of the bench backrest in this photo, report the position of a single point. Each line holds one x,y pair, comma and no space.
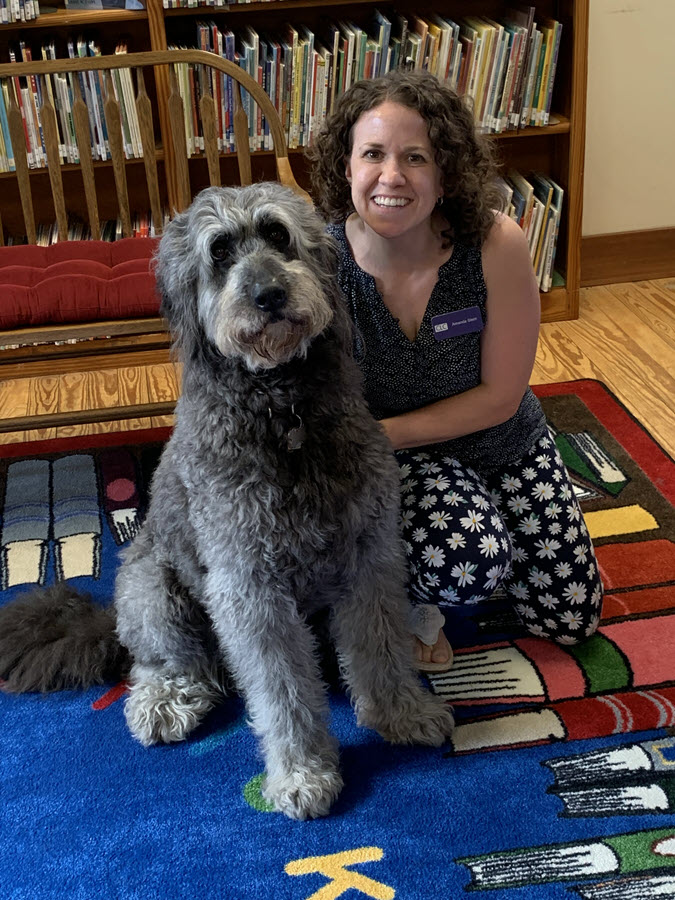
132,91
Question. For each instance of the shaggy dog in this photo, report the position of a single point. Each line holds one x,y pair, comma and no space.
276,497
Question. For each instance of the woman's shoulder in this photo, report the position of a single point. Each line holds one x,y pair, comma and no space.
504,238
507,266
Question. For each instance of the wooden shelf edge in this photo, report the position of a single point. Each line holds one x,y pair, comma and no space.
281,5
119,359
556,306
75,167
86,416
65,18
561,126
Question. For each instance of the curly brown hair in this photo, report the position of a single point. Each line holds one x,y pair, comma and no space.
465,157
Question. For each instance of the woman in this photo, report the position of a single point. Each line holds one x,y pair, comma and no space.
446,309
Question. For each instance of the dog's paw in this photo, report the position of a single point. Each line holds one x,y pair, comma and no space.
305,792
166,710
427,721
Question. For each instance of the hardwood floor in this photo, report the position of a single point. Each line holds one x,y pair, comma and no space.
625,337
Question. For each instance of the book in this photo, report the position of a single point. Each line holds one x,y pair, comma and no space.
402,27
538,73
35,103
527,192
524,20
557,27
518,38
4,128
543,190
533,66
421,28
383,35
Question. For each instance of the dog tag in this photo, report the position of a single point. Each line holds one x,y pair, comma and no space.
295,437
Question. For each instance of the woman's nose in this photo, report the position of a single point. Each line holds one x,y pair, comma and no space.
392,172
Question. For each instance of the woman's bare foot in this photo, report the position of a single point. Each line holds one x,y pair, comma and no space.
435,657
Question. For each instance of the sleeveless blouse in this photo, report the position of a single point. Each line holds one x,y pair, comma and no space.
401,375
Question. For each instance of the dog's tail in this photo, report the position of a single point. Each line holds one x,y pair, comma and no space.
55,638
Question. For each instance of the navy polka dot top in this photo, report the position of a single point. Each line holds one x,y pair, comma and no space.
401,375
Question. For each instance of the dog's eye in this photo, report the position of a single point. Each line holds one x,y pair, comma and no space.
276,234
220,249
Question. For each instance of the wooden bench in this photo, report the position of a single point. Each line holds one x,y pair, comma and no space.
41,343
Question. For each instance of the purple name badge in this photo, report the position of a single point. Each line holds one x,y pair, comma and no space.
452,324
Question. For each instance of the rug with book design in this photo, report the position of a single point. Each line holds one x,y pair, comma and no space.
559,782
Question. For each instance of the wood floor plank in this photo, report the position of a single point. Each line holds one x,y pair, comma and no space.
46,366
633,313
640,382
559,358
652,305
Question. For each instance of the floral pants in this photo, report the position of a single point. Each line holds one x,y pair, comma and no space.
520,528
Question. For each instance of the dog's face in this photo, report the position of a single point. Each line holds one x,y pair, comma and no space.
250,268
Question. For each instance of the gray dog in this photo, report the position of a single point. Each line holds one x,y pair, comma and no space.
276,497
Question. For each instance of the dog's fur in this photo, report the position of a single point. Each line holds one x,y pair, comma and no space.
246,538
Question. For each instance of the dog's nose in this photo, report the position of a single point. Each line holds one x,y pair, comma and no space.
269,297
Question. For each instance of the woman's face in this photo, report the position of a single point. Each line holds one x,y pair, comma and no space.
394,178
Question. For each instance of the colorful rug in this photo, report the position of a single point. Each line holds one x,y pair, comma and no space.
559,782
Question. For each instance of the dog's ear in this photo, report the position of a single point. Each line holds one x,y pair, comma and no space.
328,255
176,270
324,249
342,326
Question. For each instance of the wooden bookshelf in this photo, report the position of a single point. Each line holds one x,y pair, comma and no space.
557,149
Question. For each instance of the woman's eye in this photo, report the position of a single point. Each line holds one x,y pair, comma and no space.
219,249
372,154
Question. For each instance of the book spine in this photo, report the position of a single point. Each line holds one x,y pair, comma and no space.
554,66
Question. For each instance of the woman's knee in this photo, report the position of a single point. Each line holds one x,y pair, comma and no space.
573,624
455,578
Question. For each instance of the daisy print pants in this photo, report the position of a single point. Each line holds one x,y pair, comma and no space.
520,528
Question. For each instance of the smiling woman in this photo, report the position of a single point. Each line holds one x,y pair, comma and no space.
441,290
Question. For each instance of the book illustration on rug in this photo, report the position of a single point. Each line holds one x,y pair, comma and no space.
616,657
588,460
652,851
611,764
649,887
630,779
54,510
50,502
617,781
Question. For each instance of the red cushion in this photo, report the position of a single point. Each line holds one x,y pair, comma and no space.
77,281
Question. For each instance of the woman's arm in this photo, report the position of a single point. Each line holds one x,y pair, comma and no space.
508,348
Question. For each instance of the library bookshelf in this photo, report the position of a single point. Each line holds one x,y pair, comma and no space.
556,149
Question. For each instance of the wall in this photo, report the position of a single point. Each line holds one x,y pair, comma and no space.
630,132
